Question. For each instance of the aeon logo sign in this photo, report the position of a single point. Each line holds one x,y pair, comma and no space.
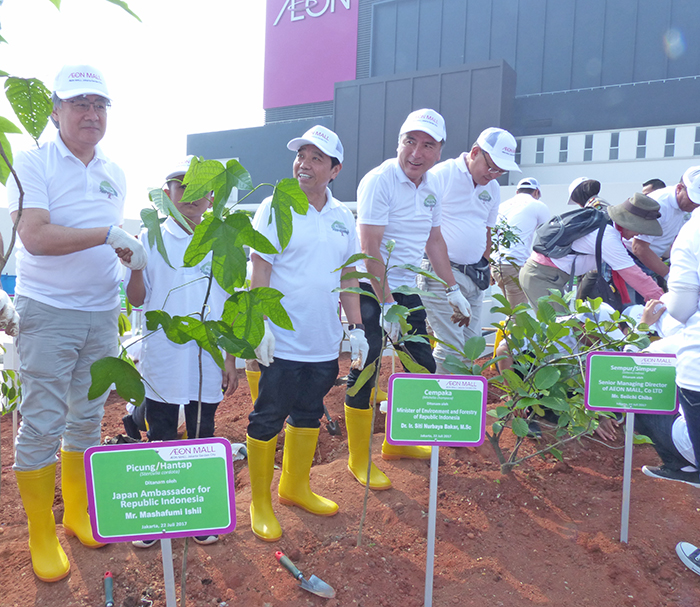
299,9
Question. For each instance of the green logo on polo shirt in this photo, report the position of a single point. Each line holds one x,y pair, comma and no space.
206,269
339,226
484,196
430,201
106,188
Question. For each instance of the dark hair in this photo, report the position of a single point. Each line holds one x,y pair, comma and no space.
530,191
656,184
584,191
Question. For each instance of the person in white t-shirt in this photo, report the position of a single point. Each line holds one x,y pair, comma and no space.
298,367
523,213
637,215
67,297
469,195
398,202
172,371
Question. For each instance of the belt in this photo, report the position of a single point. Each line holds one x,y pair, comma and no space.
462,267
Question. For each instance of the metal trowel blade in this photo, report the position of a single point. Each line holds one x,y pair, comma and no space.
317,586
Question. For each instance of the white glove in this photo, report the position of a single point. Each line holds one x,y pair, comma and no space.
120,239
359,348
461,307
265,350
392,329
9,319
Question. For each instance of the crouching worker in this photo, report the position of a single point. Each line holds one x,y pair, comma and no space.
68,276
299,367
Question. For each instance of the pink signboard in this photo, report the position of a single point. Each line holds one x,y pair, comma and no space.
309,46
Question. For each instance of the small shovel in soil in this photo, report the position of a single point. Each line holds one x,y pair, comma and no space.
313,584
331,426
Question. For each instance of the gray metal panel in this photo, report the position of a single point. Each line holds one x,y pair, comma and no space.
685,19
530,50
619,41
371,111
454,33
558,45
261,150
649,63
588,44
478,42
429,34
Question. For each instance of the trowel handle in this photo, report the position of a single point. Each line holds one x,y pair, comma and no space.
288,565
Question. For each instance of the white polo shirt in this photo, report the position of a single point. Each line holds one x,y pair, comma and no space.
613,253
386,197
524,214
76,196
671,220
304,273
171,370
685,270
467,210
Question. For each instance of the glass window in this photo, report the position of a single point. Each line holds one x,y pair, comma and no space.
563,148
518,151
588,149
539,155
614,146
670,146
641,144
696,149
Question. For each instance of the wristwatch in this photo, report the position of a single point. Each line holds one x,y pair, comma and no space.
358,325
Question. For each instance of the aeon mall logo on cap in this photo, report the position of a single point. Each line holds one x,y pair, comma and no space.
298,9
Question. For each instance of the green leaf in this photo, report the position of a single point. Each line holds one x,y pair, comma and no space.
514,381
152,222
123,324
287,197
206,176
8,127
474,347
410,365
455,365
166,206
556,453
364,377
555,404
121,3
497,427
4,169
546,377
233,344
358,275
183,329
501,412
418,270
246,310
354,259
357,290
125,377
56,3
520,428
641,439
31,102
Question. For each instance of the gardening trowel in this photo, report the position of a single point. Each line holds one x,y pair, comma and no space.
313,584
332,425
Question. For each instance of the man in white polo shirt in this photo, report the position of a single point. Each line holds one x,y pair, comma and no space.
298,367
470,196
68,276
523,214
676,202
397,202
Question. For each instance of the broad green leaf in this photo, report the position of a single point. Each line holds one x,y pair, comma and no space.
556,453
235,176
56,3
641,439
501,412
418,270
225,239
514,382
287,197
152,222
166,206
411,365
125,377
234,345
4,169
183,329
357,290
546,377
497,427
358,275
120,3
124,326
354,259
396,312
474,347
8,127
31,102
455,365
520,428
545,312
526,402
555,404
203,177
245,311
364,377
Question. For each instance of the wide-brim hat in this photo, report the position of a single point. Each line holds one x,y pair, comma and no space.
639,213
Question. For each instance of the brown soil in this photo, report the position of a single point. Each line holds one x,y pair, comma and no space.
548,534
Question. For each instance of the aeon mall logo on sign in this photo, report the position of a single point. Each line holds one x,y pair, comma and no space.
298,9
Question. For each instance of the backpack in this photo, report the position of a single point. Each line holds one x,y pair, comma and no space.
554,238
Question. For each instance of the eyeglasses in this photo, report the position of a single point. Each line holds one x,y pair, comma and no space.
494,170
82,106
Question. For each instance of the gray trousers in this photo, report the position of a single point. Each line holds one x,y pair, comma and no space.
56,349
536,280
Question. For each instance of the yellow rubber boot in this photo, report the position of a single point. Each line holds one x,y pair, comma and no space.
390,452
381,395
253,378
76,520
261,465
294,488
358,423
36,487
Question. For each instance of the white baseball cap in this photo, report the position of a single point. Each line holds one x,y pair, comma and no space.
529,183
180,168
501,146
691,180
427,121
324,139
76,80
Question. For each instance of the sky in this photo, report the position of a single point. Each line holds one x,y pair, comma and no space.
188,67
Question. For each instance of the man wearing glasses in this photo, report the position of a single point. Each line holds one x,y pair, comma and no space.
68,277
470,195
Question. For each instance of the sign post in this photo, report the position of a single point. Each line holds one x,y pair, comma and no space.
629,383
160,491
434,410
